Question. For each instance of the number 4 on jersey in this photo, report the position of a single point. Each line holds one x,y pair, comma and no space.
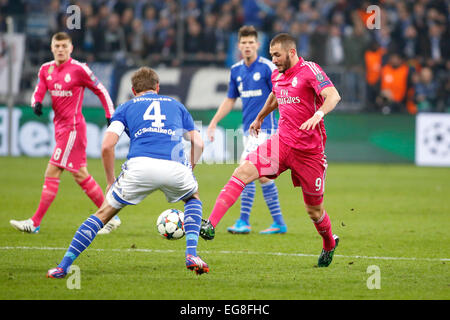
156,116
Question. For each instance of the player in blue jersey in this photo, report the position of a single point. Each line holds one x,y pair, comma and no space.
250,79
156,126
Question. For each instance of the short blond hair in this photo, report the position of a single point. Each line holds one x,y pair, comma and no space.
144,79
59,36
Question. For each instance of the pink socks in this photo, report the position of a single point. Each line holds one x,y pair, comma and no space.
49,191
323,226
93,190
227,197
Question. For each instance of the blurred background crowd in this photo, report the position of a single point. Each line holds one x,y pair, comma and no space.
400,66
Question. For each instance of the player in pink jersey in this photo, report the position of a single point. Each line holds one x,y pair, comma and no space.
66,79
303,94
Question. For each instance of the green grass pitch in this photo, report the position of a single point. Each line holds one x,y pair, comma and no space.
393,217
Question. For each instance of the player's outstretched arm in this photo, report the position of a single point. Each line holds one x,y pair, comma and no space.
109,142
197,146
331,98
90,80
224,109
270,105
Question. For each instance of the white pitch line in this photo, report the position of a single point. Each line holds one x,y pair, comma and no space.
237,252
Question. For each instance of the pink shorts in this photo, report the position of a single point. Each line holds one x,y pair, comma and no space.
70,149
273,157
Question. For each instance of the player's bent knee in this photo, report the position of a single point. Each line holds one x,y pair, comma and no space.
313,205
264,180
80,175
314,211
246,172
53,171
106,212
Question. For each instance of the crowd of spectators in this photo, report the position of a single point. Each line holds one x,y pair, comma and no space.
403,53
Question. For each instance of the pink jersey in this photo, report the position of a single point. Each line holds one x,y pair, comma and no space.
66,84
298,94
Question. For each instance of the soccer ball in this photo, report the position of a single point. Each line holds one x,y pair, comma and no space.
170,224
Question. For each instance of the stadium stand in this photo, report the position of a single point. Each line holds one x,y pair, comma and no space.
335,34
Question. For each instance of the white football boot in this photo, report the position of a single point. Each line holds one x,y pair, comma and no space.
25,226
113,224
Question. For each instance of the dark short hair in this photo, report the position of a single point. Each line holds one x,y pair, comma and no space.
144,79
59,36
247,31
285,39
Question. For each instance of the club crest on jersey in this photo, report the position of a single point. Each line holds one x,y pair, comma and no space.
294,82
67,78
256,76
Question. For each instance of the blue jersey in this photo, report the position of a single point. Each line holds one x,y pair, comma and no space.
155,125
253,84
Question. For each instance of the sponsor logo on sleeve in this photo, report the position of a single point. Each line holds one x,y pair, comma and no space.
323,84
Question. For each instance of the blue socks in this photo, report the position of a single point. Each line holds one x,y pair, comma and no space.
81,240
88,230
247,197
270,193
192,221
